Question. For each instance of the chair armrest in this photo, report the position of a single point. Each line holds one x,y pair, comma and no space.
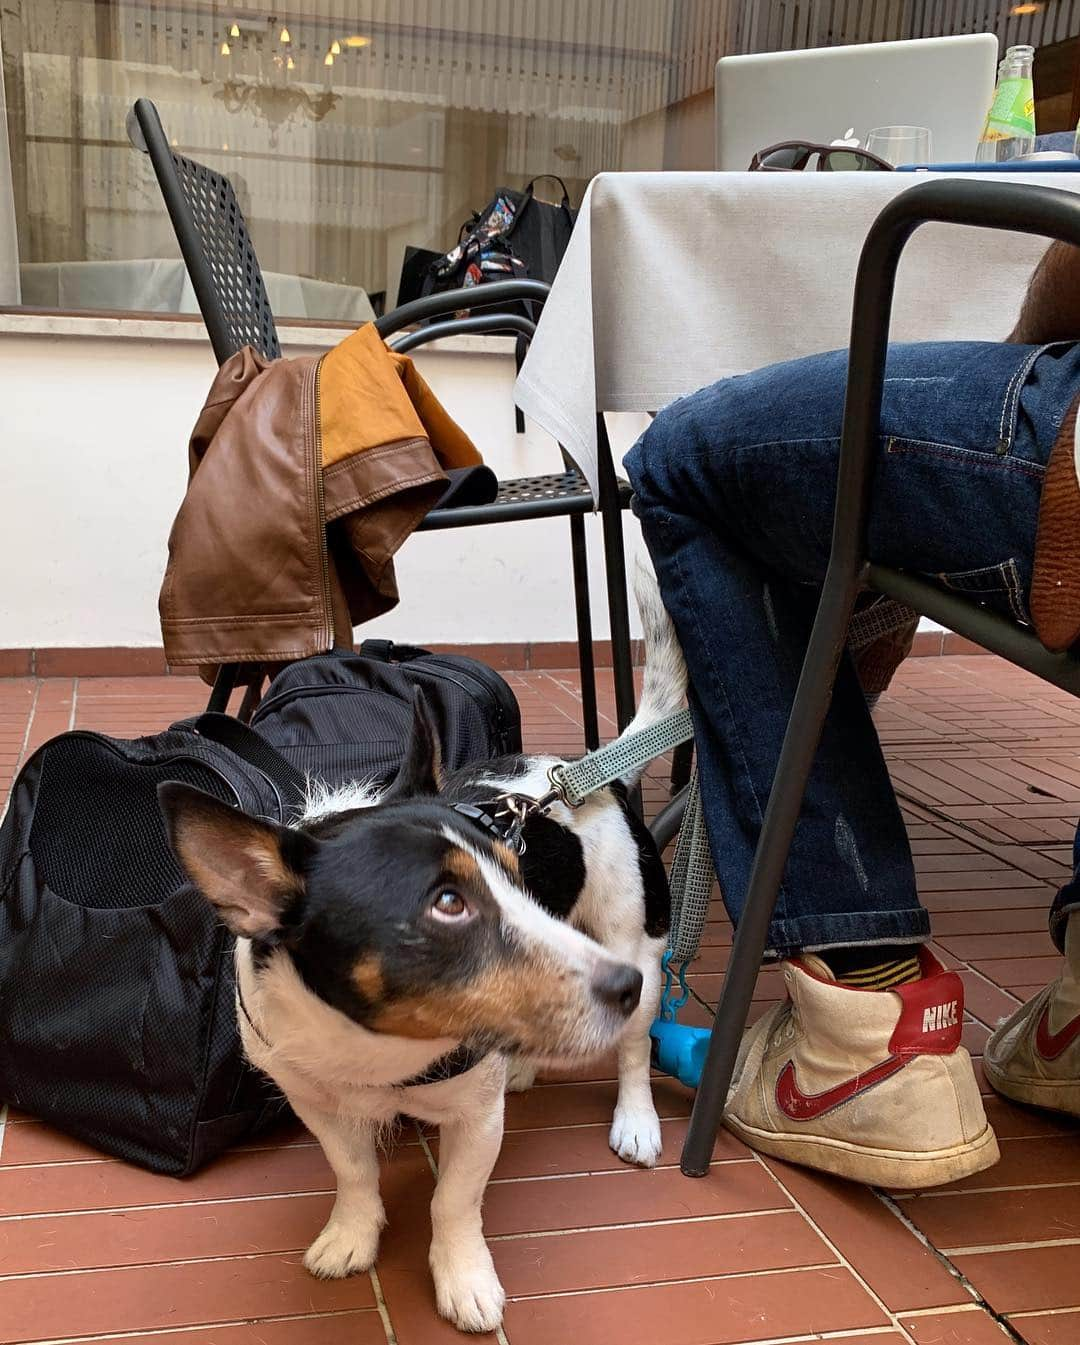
1047,211
482,322
448,303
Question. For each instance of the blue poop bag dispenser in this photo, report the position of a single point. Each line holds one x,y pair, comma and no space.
677,1048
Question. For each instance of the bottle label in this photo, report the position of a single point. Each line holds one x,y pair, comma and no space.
1012,112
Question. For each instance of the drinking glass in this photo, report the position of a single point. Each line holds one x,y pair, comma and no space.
900,144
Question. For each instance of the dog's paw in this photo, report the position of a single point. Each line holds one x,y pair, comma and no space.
520,1074
467,1289
343,1248
635,1135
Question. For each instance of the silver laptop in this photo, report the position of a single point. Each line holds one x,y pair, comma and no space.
943,83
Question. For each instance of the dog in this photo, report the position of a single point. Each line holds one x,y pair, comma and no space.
395,957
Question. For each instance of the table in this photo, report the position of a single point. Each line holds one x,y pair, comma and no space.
673,280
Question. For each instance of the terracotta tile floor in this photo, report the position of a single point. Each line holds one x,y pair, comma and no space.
987,761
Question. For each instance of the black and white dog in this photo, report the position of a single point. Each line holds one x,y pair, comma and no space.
394,957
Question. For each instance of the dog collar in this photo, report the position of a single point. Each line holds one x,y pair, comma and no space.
503,818
458,1061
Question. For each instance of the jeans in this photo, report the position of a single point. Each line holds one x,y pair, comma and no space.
735,487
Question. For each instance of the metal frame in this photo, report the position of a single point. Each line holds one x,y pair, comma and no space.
1025,209
147,134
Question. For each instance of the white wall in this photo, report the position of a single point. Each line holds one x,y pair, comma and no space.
93,466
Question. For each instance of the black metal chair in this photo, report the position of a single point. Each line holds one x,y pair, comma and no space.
1035,210
225,275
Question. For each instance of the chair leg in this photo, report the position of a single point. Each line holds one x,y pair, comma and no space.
615,564
682,763
770,859
252,697
665,825
224,683
583,612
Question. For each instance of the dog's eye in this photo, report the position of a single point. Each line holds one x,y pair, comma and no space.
450,906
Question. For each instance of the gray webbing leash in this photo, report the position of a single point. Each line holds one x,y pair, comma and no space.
691,880
573,782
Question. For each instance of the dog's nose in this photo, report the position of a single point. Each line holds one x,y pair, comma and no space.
618,986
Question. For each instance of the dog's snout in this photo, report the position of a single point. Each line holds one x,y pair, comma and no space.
618,986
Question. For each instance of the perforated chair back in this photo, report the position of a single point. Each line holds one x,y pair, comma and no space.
214,242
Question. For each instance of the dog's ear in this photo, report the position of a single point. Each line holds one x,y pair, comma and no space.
421,767
248,869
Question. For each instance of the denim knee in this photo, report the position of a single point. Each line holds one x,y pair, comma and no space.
799,401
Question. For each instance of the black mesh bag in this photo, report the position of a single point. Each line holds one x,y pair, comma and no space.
117,1011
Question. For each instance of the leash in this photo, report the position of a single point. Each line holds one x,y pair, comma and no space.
691,887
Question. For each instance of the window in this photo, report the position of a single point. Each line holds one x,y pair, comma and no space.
353,132
348,139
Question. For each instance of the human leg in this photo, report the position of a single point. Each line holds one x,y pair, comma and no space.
734,510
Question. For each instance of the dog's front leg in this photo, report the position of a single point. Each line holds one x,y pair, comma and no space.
350,1240
467,1289
635,1129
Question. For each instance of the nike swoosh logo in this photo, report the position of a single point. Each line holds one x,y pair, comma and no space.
800,1106
1052,1044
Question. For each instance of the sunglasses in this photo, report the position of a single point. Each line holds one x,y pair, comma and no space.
792,156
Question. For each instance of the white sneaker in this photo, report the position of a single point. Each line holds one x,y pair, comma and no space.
872,1085
1034,1056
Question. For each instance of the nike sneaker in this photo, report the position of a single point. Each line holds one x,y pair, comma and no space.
872,1085
1034,1056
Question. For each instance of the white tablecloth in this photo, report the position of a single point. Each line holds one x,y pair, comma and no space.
673,280
161,285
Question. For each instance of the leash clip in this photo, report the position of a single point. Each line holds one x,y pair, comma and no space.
556,794
519,809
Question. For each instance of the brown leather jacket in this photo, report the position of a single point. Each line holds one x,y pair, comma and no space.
305,476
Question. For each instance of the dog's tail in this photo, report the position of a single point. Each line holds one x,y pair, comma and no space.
664,687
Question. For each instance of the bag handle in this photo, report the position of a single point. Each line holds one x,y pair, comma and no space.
386,651
564,204
290,783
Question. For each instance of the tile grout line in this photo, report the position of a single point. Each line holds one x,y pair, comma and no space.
945,1310
380,1306
647,1223
127,1332
106,1161
953,1269
160,1205
608,1172
252,1196
500,1334
1045,1312
993,1190
872,1293
75,1271
992,1248
725,1217
776,1272
21,754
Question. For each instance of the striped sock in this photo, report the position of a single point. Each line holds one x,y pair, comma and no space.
870,969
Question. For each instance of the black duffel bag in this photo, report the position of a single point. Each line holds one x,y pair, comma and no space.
117,993
342,717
